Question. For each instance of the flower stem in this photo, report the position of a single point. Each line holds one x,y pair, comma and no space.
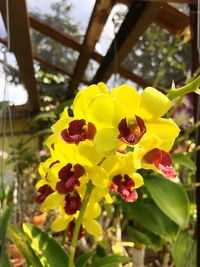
190,87
78,223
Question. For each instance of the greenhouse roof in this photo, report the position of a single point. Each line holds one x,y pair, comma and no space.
138,16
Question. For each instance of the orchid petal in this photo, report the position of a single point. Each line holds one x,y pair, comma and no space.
127,98
153,104
92,227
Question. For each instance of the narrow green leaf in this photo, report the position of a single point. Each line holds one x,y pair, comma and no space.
39,133
43,116
22,242
184,251
152,218
44,245
4,219
109,261
5,262
185,160
147,238
83,259
170,197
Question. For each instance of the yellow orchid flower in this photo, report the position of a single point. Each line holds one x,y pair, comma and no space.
124,116
89,224
99,150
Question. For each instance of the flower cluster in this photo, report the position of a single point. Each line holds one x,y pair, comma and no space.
111,135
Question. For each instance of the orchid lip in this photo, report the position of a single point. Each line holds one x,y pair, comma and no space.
78,131
162,160
131,133
124,186
72,203
69,178
44,191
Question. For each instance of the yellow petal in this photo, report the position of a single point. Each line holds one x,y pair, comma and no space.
92,227
153,104
50,140
93,210
87,155
108,198
61,124
104,112
112,165
141,149
98,193
138,179
98,176
59,224
106,140
52,175
40,183
63,151
83,98
127,98
103,88
53,201
162,129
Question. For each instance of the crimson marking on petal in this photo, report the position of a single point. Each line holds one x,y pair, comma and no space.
70,232
65,172
53,163
78,131
131,134
79,170
124,186
52,146
72,203
44,191
122,151
162,160
91,131
69,178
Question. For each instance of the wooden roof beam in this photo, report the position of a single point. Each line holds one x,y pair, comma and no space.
193,2
169,17
57,68
70,42
121,70
60,37
98,19
172,19
21,46
138,18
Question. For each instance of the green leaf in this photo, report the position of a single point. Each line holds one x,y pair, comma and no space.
185,160
170,197
63,105
44,245
150,240
4,219
184,251
5,262
22,242
83,259
152,218
43,116
39,133
109,261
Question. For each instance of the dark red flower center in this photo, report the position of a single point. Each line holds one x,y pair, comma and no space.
78,131
69,178
162,160
71,227
131,133
44,191
124,186
72,203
